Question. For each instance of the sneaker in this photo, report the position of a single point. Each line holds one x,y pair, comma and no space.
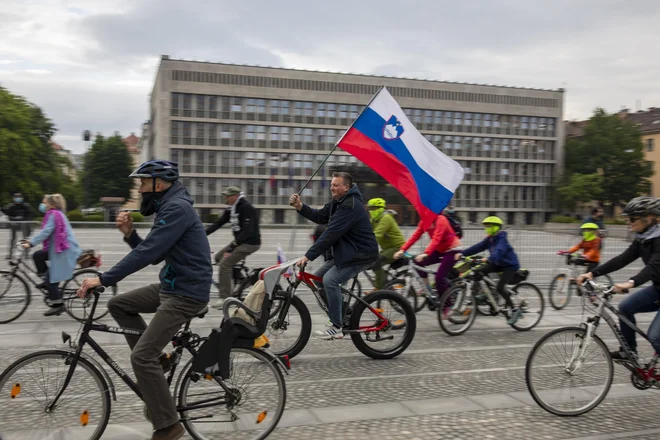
329,332
173,432
218,304
514,315
55,310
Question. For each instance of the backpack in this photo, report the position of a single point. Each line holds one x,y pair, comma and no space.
456,226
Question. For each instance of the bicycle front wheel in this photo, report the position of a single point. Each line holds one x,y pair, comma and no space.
288,330
79,308
566,378
14,297
249,404
29,385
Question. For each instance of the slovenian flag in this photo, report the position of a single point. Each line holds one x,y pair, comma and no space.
385,140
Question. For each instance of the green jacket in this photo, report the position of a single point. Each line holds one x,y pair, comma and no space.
386,229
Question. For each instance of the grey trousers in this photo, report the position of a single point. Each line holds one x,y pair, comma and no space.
171,312
241,252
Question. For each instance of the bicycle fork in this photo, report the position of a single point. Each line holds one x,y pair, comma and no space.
577,358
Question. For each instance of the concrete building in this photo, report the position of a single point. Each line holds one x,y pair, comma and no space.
266,129
649,124
132,143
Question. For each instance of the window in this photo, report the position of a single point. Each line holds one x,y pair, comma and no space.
284,107
251,106
437,117
458,118
225,132
309,109
275,107
332,110
458,141
201,106
343,111
477,119
332,135
261,132
250,132
309,135
320,110
354,111
298,109
468,119
487,122
533,123
297,134
524,124
284,133
236,105
428,116
261,105
496,120
649,145
417,116
274,133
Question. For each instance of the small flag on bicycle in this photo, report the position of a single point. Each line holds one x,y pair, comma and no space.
281,258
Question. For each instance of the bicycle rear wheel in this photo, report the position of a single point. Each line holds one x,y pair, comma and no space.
530,300
552,368
79,308
560,291
28,386
14,296
457,311
250,410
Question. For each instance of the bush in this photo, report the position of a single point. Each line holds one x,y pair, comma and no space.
75,216
563,219
94,218
137,217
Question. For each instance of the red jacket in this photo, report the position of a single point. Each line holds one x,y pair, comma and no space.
443,237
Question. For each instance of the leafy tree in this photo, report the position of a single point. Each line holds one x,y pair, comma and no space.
107,166
580,188
611,146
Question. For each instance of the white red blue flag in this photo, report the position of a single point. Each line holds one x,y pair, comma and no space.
385,140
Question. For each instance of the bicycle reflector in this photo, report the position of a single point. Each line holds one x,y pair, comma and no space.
15,390
262,416
84,418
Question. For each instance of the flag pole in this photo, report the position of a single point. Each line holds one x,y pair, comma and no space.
337,143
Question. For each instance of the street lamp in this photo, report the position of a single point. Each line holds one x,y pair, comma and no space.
87,136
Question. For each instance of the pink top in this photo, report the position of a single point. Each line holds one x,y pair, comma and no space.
443,237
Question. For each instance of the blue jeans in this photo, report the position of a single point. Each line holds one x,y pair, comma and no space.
333,278
642,301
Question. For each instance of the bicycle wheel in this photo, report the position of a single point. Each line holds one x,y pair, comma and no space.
484,307
79,308
250,410
399,286
29,385
289,330
560,291
550,368
457,311
605,279
530,299
367,327
14,296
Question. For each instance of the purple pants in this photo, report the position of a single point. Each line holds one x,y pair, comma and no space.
446,260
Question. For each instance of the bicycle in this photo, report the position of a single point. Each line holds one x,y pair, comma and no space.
392,271
367,319
562,286
569,351
213,377
242,279
16,295
458,306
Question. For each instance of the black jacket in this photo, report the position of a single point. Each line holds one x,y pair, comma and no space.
648,249
349,231
244,224
177,237
18,212
318,231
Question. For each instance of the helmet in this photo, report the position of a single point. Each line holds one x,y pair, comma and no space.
642,205
163,169
589,226
376,203
492,220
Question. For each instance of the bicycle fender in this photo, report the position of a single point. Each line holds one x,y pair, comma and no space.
274,358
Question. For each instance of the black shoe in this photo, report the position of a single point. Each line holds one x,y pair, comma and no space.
41,286
619,356
55,310
165,361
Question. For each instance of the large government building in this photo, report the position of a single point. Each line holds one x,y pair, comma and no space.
266,129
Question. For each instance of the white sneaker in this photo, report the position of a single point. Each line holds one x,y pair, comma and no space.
329,332
218,304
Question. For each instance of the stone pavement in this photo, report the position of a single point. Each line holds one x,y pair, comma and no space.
465,387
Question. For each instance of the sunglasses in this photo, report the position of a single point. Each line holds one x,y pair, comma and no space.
632,219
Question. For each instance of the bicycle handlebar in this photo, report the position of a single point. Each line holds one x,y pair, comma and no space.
593,286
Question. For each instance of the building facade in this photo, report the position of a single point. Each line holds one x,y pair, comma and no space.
648,122
267,129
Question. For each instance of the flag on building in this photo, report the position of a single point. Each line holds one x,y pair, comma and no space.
385,140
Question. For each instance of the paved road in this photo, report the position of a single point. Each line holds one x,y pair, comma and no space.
466,387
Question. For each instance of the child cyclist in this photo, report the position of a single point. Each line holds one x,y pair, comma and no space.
502,259
590,244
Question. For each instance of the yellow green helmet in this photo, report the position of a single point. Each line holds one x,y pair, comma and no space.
492,220
589,226
376,202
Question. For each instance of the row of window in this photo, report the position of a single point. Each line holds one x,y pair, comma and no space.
363,89
224,107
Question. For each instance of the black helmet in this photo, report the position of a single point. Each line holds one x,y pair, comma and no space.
163,169
642,205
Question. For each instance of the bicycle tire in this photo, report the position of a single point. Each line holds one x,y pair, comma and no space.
542,301
187,376
11,277
71,299
446,302
529,367
62,355
555,301
305,329
411,295
409,327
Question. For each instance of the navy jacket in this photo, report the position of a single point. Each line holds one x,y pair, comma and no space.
178,237
349,231
501,252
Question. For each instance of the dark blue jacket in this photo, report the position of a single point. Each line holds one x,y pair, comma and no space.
501,252
179,238
349,231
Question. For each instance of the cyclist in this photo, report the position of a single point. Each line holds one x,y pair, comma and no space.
354,246
596,217
388,235
590,244
643,216
178,238
502,259
247,238
19,211
442,248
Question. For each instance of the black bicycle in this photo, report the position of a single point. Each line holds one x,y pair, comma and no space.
243,278
67,394
16,288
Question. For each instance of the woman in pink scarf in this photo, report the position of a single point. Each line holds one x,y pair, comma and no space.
60,248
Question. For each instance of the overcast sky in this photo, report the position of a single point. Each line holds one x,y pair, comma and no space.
90,64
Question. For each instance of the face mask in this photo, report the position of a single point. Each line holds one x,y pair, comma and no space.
18,200
42,208
375,213
588,235
491,230
150,202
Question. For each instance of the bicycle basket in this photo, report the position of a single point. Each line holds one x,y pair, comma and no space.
520,276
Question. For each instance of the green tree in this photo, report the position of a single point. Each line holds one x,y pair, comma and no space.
612,147
580,188
107,167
